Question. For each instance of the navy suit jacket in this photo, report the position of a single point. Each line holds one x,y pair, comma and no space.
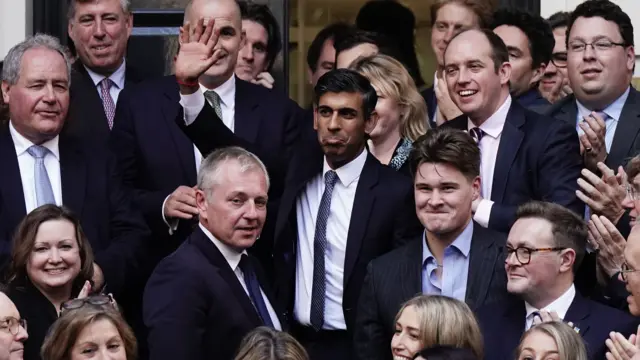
156,157
92,190
429,96
538,159
396,277
503,324
534,101
383,217
195,307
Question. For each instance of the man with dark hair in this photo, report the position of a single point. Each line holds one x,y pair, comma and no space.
530,43
555,82
261,45
340,209
357,43
321,56
453,256
544,248
525,156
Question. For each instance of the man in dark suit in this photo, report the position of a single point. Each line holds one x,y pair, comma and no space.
42,166
159,163
530,41
99,31
341,208
203,299
525,156
544,248
455,257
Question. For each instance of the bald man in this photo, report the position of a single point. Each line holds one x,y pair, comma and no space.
13,331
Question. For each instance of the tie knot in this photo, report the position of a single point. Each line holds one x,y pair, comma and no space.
106,83
330,178
37,151
212,96
477,134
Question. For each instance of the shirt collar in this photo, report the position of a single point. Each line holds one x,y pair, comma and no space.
231,255
560,305
117,77
462,243
613,110
495,123
21,143
226,91
349,172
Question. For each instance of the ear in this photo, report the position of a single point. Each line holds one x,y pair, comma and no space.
310,76
201,203
70,29
6,89
505,73
315,117
129,24
476,185
370,124
538,73
631,57
567,259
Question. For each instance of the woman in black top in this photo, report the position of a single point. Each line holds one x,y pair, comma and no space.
51,262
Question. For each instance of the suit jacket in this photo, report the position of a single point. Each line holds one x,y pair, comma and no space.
503,324
195,307
534,101
383,217
396,277
626,140
93,191
538,159
156,157
87,119
429,96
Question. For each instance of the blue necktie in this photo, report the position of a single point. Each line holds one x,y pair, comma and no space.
477,134
44,191
319,249
253,286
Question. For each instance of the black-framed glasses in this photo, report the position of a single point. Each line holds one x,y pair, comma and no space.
13,325
96,300
578,46
624,270
559,59
523,254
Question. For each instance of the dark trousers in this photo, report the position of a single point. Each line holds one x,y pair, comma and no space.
324,344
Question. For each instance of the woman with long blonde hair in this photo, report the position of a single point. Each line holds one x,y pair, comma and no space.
264,343
551,338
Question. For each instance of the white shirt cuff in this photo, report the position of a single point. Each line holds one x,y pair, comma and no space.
192,105
483,212
173,223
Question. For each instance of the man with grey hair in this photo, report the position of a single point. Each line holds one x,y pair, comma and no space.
205,297
42,166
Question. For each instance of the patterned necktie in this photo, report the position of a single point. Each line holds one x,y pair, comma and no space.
253,286
107,100
214,100
477,134
44,191
319,250
531,319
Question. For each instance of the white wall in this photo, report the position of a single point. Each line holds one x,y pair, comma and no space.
631,7
15,23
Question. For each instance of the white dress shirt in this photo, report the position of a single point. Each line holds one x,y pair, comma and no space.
489,145
26,162
307,206
560,306
117,77
233,258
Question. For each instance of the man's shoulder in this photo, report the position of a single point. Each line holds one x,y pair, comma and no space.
262,95
603,312
152,88
562,105
397,257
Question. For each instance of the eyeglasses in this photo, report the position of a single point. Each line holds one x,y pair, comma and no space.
523,254
632,193
559,59
13,325
624,270
598,45
96,300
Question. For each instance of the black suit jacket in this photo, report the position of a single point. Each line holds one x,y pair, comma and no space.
503,324
195,307
156,157
87,119
93,191
538,159
396,277
383,217
534,101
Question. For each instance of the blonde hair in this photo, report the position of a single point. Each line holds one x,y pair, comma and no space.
392,80
264,343
446,321
569,342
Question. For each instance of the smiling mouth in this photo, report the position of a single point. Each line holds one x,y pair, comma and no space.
467,93
400,357
55,271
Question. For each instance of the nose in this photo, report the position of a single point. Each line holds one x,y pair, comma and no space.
246,52
252,211
449,35
511,259
54,256
98,28
435,199
334,123
22,334
463,77
589,53
551,69
49,95
627,203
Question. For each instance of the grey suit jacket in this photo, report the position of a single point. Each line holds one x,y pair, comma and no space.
396,277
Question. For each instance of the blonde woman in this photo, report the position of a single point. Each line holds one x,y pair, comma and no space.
430,320
551,339
401,110
264,343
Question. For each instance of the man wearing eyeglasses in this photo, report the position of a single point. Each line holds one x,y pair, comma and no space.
13,330
544,248
555,82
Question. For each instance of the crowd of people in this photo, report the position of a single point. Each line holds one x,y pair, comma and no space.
205,215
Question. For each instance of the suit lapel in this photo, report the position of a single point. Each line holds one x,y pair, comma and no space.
626,131
92,107
510,141
482,258
262,279
514,322
411,271
11,182
578,312
362,206
568,111
171,109
247,114
73,174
